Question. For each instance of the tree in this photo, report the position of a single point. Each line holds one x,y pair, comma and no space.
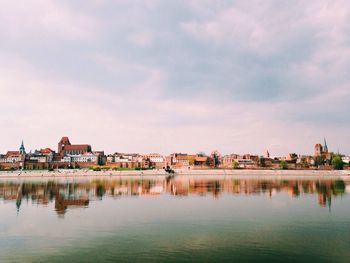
262,162
337,163
303,161
235,165
283,165
216,160
319,160
191,160
338,187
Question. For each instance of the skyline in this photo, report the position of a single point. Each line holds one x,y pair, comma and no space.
176,76
23,148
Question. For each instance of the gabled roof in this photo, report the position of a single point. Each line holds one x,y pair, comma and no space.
46,151
12,153
201,159
77,147
65,140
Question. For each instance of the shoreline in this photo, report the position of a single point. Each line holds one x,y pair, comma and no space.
210,174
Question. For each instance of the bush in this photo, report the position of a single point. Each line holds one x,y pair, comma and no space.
235,165
283,165
337,163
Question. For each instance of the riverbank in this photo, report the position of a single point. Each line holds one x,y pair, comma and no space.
178,173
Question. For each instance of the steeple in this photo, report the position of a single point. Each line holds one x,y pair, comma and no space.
22,150
325,147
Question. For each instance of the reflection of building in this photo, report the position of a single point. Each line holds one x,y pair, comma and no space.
77,194
61,204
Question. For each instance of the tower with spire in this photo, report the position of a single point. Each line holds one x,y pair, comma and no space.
22,150
325,147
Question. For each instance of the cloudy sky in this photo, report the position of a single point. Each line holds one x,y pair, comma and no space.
168,76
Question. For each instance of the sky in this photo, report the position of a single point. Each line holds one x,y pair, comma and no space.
176,76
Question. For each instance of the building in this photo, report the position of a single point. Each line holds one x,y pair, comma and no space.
125,160
201,161
42,156
228,160
76,155
66,148
13,159
155,160
321,149
180,160
87,157
346,159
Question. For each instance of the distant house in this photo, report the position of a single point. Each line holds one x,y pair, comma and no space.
124,160
155,160
346,159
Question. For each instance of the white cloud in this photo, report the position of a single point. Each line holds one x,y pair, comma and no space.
241,76
44,19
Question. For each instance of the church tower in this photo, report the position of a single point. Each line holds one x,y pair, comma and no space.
22,150
325,147
62,144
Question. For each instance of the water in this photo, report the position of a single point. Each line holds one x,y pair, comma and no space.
184,219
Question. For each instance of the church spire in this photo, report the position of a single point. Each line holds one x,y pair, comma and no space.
22,150
325,147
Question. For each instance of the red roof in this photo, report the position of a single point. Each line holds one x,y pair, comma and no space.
77,147
201,159
46,151
12,153
64,140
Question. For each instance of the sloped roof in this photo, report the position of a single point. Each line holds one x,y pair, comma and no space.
12,153
64,140
201,159
46,151
77,147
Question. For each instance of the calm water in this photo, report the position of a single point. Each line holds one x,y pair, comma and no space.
185,219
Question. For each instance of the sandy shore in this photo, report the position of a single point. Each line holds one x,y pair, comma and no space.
181,173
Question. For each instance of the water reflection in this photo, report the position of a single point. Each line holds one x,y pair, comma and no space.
78,193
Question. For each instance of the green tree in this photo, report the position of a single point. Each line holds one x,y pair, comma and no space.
216,160
191,160
319,160
283,165
235,165
338,187
337,163
262,162
303,161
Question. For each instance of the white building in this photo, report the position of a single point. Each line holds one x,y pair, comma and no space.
81,158
11,157
346,159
